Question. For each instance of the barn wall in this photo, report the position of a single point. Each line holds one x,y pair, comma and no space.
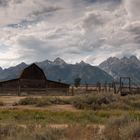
10,87
56,88
25,83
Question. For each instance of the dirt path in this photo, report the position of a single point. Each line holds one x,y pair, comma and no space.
10,100
54,108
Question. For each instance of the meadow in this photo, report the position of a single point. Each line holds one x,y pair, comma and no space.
80,117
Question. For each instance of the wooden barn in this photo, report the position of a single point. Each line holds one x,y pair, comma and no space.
32,79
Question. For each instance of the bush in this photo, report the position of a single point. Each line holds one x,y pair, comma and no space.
94,101
51,101
1,103
107,101
28,101
44,101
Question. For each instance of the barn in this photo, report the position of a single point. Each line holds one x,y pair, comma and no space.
32,79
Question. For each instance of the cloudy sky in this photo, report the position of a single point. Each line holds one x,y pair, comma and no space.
75,30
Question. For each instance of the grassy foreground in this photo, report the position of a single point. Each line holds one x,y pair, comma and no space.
99,117
116,128
18,116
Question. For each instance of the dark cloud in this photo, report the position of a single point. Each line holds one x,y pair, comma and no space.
44,11
4,3
135,29
94,19
99,1
135,32
114,1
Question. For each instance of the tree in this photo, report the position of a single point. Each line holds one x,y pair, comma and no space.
77,81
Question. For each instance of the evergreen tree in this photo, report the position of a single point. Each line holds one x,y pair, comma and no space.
77,81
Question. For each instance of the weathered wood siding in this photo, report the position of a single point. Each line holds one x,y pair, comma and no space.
9,86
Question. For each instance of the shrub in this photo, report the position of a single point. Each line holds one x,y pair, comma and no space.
44,101
1,103
28,101
94,101
107,101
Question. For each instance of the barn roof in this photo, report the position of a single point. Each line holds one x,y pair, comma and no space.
9,80
58,82
32,65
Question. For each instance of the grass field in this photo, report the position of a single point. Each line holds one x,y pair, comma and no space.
85,117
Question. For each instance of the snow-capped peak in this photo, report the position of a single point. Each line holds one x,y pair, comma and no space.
59,61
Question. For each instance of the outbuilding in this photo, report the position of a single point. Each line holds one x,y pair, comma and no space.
32,79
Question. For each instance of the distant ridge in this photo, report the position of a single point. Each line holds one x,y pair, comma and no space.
59,70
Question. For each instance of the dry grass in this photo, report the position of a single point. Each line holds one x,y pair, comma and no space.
56,118
122,128
77,132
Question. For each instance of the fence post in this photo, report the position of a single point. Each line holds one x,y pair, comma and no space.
72,91
19,88
98,86
114,87
105,87
86,87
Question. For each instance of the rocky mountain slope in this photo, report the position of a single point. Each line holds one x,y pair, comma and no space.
129,67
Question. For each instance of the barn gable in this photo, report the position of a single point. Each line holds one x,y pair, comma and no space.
33,72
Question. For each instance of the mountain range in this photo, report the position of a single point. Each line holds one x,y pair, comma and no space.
124,67
59,70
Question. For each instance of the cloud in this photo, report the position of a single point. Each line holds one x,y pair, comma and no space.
133,9
90,30
3,3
